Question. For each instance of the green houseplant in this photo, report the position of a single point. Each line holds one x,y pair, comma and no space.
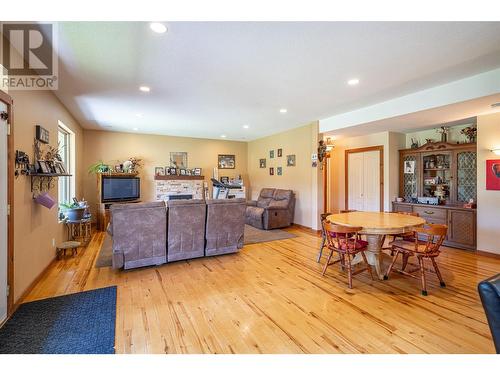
98,167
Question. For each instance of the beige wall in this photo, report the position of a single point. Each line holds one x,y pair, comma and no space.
488,201
35,226
391,142
113,148
303,178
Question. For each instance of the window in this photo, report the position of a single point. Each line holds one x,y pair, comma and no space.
66,141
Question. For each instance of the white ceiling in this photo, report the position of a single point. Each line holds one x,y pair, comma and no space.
211,78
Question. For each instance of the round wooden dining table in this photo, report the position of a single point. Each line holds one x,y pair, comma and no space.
376,225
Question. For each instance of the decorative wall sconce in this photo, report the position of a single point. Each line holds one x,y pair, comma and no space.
324,148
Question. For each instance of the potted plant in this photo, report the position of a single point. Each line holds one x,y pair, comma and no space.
99,167
72,211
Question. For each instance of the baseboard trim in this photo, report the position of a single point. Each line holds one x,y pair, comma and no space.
32,285
488,254
308,230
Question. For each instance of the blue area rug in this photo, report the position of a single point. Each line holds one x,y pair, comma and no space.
80,323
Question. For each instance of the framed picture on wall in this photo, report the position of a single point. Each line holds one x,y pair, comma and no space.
493,174
279,171
227,162
271,171
271,154
179,159
280,152
262,163
290,160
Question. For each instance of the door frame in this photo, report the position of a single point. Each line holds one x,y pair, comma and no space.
5,98
346,172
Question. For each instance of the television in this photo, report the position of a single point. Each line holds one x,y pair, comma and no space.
120,189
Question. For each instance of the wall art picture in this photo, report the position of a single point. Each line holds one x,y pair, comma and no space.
262,163
271,154
290,160
179,159
493,174
280,152
271,171
159,171
227,162
279,171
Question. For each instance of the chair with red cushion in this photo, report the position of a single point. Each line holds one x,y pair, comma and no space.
428,249
323,234
346,242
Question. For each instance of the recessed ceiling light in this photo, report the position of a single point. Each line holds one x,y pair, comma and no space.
135,129
283,110
158,27
245,126
353,82
494,105
223,136
144,89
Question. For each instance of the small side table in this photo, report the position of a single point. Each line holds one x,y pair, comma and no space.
79,230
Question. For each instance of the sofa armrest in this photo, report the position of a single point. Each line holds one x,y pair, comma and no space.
252,203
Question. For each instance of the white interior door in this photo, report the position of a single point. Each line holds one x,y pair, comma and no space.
363,176
355,181
371,183
3,215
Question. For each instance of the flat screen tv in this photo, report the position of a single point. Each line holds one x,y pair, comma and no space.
120,189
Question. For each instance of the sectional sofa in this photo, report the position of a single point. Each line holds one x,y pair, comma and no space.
145,234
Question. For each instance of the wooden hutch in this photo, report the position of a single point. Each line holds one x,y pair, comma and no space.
446,171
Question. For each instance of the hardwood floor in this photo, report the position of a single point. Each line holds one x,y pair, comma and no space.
271,298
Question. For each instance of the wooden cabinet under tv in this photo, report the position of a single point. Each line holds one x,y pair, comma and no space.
103,207
451,171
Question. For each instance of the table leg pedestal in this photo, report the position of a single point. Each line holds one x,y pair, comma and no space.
373,253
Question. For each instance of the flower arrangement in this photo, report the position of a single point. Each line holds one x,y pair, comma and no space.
470,132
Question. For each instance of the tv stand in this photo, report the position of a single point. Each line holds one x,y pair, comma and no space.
103,207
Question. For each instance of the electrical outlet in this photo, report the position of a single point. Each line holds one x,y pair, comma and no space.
53,242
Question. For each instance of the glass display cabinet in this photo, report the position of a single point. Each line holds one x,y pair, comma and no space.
446,175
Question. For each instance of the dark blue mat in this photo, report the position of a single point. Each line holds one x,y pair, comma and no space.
80,323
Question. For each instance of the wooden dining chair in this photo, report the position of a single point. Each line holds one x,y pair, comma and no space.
408,236
323,235
434,235
347,211
346,242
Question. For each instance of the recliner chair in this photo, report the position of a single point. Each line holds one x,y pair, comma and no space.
489,291
273,209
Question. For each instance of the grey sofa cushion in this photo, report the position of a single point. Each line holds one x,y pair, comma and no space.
254,216
186,229
265,197
225,226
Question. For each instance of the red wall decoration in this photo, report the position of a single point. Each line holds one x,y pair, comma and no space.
493,174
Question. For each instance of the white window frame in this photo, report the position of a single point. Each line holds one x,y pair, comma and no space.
70,167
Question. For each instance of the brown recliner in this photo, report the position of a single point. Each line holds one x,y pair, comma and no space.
273,209
139,233
225,226
186,229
